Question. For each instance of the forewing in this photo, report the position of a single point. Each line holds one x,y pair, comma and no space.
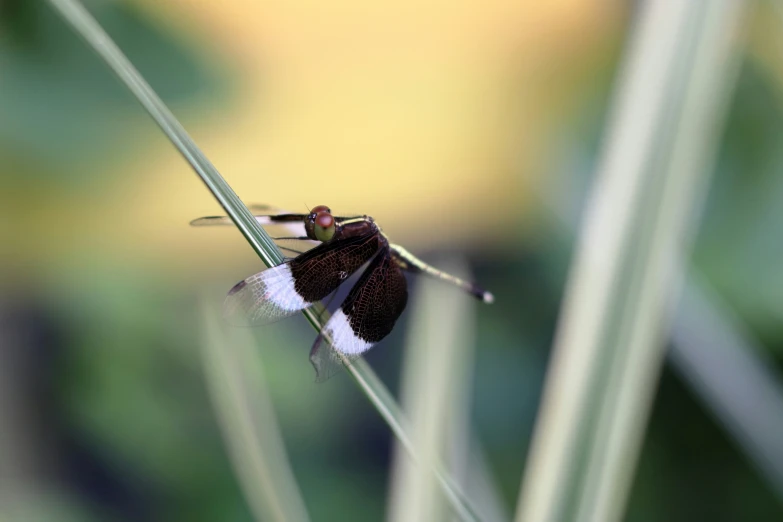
321,270
366,316
292,224
286,289
287,229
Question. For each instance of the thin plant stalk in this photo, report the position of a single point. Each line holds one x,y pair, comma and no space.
609,347
247,418
433,395
86,26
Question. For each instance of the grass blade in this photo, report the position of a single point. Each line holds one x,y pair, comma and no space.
609,347
731,374
388,408
709,65
248,421
434,386
86,26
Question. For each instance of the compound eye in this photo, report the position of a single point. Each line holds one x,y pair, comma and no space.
324,226
309,221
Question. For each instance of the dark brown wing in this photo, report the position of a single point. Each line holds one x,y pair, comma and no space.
318,272
283,290
366,316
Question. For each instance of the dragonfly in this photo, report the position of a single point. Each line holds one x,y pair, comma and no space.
343,244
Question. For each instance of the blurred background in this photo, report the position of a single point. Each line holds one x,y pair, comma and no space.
467,131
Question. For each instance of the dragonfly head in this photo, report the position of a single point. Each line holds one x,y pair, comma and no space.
319,224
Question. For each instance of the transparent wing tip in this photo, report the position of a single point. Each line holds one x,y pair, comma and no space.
208,221
325,360
237,287
238,307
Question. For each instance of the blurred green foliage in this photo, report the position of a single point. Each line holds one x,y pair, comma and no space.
58,101
739,246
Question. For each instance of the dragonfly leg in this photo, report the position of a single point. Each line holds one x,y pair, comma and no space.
291,250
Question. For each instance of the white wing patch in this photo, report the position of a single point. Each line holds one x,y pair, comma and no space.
335,347
264,297
344,340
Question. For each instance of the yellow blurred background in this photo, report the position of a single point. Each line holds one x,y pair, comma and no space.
432,118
